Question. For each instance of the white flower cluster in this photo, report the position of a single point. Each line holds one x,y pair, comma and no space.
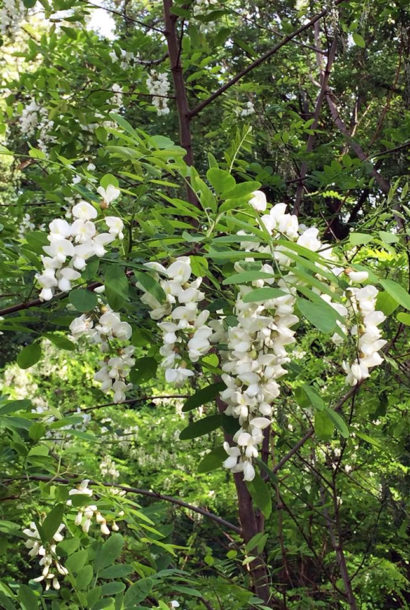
11,14
102,331
124,58
72,244
253,362
254,351
108,467
368,334
248,109
35,118
49,560
117,98
184,328
158,86
25,226
87,513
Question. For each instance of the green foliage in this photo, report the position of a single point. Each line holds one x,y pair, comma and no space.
58,428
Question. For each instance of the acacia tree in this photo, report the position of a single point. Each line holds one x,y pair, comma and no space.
177,258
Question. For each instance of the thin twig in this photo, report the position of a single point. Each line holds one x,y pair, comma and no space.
134,490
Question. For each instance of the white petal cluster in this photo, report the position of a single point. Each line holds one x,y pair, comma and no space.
248,109
72,244
108,468
183,325
367,332
11,15
103,331
117,98
256,353
49,560
158,86
86,514
258,201
25,226
35,118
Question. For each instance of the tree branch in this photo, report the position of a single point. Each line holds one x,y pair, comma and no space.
134,490
174,53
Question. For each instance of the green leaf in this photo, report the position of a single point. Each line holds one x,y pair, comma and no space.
82,299
339,422
243,189
359,239
137,592
36,153
124,124
77,561
143,370
399,294
221,180
36,240
306,396
116,286
150,285
386,303
111,588
257,542
324,426
186,590
389,238
200,427
10,528
37,431
230,424
29,355
110,551
319,315
84,577
52,522
16,405
60,341
247,276
109,179
7,604
116,571
404,318
261,494
201,397
199,265
263,294
28,598
359,40
213,460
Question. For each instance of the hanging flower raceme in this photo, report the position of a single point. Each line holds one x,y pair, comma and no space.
109,332
158,86
51,568
72,244
50,562
86,514
254,351
185,335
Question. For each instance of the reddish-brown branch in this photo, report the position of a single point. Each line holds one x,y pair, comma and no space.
259,61
251,524
134,490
